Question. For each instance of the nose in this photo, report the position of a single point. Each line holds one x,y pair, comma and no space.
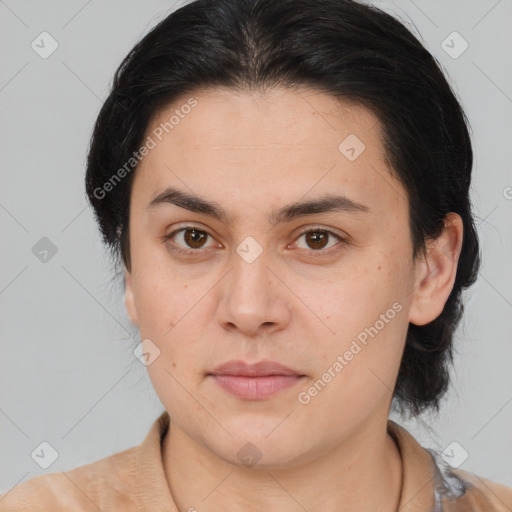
254,298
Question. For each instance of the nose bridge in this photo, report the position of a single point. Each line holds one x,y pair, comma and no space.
251,294
250,278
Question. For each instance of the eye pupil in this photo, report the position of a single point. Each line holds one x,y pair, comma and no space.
194,238
317,239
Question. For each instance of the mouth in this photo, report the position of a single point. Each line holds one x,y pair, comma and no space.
255,381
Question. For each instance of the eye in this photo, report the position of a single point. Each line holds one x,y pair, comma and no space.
319,239
188,239
192,240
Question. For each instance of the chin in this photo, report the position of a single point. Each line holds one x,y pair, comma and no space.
256,449
257,456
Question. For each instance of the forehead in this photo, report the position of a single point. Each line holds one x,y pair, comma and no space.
296,117
270,146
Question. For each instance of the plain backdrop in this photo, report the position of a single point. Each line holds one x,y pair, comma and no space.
68,375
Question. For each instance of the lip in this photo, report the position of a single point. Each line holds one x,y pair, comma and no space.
255,381
260,369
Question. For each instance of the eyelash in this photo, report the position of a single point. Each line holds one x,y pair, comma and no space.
200,252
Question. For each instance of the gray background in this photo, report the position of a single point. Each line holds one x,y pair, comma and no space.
67,372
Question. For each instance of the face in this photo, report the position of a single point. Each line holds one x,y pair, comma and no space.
293,248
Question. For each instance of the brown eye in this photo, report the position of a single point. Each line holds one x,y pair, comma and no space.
189,240
194,238
317,239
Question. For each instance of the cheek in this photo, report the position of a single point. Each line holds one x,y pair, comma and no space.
174,312
160,302
364,313
358,293
357,366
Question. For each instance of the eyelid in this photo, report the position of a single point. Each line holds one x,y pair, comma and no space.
341,235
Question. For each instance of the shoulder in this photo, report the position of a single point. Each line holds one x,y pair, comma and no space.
99,485
463,491
431,484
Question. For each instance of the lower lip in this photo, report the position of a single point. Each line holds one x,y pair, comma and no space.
256,388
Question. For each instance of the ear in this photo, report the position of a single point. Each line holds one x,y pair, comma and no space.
128,297
435,272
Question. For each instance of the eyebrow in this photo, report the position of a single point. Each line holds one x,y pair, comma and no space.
194,203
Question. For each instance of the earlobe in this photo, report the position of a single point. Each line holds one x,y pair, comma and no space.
435,273
128,297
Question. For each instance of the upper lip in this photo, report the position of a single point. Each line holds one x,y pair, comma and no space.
260,369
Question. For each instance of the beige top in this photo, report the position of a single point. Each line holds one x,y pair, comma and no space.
134,480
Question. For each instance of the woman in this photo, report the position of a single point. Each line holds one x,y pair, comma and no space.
279,321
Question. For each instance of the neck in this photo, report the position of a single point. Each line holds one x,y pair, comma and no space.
361,473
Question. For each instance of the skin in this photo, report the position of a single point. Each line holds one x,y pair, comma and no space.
298,303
